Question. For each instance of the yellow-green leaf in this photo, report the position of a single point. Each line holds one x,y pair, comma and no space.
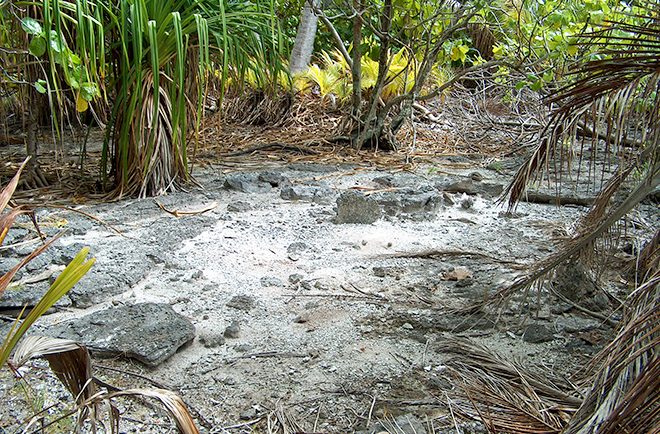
81,103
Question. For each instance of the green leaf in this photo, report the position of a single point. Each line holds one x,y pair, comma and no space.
31,26
459,52
521,84
89,90
41,86
57,42
537,85
38,46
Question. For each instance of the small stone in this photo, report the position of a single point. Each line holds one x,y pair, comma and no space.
273,178
246,183
467,203
537,333
232,331
464,282
325,284
249,414
239,206
446,197
302,318
476,176
241,302
295,278
197,274
211,340
573,324
267,281
407,326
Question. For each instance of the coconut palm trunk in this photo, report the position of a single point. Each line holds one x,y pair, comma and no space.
303,46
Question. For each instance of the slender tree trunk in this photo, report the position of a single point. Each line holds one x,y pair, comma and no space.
356,69
303,47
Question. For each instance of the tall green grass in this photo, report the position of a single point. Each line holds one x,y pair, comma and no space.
148,61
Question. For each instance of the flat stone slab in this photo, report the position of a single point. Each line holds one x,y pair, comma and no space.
148,332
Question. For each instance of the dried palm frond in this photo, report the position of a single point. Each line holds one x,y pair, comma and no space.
71,362
171,402
648,262
505,396
624,396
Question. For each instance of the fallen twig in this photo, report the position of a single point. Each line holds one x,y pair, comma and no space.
264,146
177,213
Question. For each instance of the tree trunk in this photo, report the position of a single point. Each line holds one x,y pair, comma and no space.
303,46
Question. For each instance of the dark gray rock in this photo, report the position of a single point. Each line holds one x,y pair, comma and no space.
249,414
114,277
16,235
537,333
39,264
385,181
421,203
354,207
574,282
246,183
29,295
409,202
62,255
471,187
148,332
7,264
241,302
573,324
467,203
275,179
295,278
299,247
239,206
307,193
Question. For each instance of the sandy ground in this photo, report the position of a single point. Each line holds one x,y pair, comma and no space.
334,328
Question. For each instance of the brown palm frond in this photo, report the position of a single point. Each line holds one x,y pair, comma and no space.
69,360
506,397
625,394
8,191
648,262
171,402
